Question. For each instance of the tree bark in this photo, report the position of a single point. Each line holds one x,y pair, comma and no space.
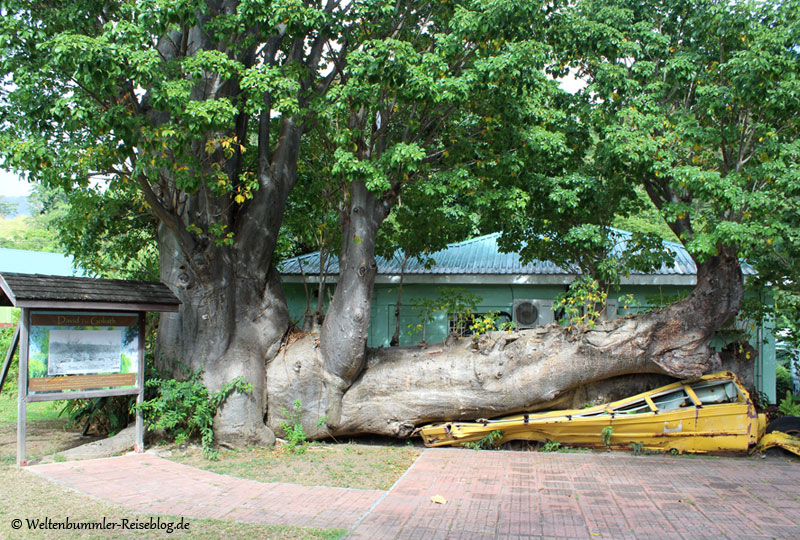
344,334
402,388
230,323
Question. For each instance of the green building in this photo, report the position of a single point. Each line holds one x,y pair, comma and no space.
524,293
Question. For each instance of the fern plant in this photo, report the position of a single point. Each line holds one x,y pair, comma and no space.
606,434
186,409
491,440
790,405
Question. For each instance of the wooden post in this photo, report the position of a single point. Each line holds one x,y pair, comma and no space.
139,445
22,399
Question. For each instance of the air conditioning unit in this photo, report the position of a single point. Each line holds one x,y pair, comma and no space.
530,313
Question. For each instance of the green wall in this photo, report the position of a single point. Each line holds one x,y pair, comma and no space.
494,297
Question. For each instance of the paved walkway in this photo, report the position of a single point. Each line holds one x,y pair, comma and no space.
147,483
489,494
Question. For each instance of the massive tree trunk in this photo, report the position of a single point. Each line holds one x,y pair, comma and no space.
229,325
401,388
346,328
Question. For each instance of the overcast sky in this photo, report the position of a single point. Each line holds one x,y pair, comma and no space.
12,186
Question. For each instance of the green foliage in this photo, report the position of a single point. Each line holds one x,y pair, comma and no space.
551,446
582,304
605,435
28,233
295,434
450,300
107,415
639,449
790,405
426,308
491,440
457,301
429,216
10,385
186,409
698,107
783,380
628,302
490,321
136,137
6,208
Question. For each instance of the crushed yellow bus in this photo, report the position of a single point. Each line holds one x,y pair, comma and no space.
711,414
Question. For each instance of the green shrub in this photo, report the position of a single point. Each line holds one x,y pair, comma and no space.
489,441
551,446
490,321
790,405
10,386
783,380
606,434
186,409
295,434
581,304
107,415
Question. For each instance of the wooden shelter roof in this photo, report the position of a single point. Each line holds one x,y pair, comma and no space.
60,292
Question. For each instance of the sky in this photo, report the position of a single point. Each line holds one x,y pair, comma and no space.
12,186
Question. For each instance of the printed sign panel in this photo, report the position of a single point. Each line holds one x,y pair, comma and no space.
82,347
78,352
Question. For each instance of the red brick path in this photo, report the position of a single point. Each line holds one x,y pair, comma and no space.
146,483
528,495
504,495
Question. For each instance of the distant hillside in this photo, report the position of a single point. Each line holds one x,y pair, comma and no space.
28,233
22,209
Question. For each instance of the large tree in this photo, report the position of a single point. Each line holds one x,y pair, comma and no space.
196,111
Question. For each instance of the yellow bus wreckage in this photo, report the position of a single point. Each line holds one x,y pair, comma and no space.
711,414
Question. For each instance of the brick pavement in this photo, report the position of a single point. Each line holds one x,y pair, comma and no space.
490,494
528,495
147,483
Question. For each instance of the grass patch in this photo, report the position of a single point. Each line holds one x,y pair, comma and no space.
350,465
41,410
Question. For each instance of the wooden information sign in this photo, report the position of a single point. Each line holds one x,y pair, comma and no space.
80,338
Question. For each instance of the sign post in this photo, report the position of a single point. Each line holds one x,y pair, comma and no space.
22,402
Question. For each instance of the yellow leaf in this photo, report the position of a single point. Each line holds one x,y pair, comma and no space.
239,199
438,499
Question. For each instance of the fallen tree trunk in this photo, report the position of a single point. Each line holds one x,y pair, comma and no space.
501,373
498,374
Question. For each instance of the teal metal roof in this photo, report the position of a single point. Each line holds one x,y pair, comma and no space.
481,255
37,262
